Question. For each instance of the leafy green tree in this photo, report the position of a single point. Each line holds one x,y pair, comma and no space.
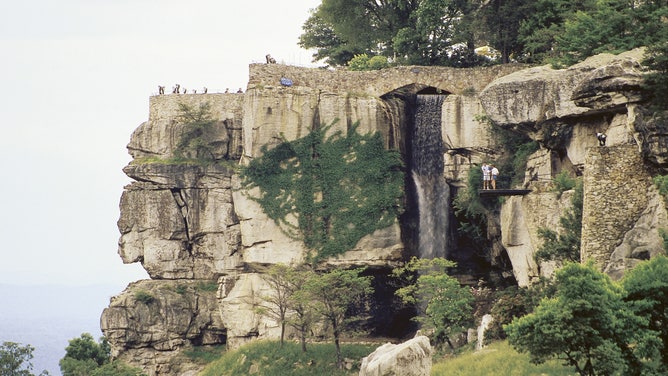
303,315
502,20
285,303
351,27
611,26
545,21
656,81
433,30
83,355
443,304
339,297
646,288
587,324
339,187
330,48
16,360
566,245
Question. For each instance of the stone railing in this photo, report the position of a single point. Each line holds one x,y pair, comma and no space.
380,82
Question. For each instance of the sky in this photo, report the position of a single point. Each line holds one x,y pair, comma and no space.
75,80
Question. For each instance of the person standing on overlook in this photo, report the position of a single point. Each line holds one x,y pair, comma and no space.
495,175
486,174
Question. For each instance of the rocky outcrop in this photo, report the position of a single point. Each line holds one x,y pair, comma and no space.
563,110
153,321
194,224
411,358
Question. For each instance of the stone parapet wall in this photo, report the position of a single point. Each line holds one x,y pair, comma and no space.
166,107
615,195
380,82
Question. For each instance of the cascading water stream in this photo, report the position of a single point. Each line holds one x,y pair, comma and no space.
427,172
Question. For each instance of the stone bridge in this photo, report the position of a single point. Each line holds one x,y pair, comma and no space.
381,82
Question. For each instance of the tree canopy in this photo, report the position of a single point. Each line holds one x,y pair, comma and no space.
446,32
597,326
16,360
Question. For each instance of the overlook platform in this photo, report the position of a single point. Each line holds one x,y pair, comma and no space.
503,192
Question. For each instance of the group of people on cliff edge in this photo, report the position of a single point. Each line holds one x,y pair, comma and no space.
489,176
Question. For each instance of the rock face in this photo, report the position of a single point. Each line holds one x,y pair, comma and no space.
411,358
193,227
564,109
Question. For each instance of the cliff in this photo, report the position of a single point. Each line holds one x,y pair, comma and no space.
204,243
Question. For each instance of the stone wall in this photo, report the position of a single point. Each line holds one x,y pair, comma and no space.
381,82
616,186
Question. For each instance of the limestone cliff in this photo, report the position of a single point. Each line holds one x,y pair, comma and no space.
191,226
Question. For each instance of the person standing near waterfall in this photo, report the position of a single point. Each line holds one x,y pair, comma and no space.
486,175
495,175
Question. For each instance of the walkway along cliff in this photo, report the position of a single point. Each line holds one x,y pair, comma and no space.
204,243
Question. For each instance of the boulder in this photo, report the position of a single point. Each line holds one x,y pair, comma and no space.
411,358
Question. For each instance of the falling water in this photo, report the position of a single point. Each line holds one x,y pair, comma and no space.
427,172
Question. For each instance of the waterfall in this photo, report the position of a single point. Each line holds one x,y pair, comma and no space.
427,172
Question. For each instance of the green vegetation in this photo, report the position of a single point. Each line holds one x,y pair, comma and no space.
498,359
144,297
198,127
656,81
300,298
210,286
84,356
445,306
446,32
564,246
16,360
334,295
563,182
283,304
338,187
512,163
267,358
597,326
471,212
363,62
205,354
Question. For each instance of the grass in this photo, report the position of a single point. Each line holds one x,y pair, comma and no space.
497,359
268,358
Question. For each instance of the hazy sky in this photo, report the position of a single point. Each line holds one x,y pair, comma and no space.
75,77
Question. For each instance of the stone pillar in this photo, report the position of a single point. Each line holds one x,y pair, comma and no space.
615,194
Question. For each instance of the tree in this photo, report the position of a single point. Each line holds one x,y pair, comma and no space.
646,289
502,20
538,32
338,296
611,26
444,305
339,188
656,81
587,324
83,355
15,360
284,304
330,48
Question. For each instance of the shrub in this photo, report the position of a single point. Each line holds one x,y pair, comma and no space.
144,297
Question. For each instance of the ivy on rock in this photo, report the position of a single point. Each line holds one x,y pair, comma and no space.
329,189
